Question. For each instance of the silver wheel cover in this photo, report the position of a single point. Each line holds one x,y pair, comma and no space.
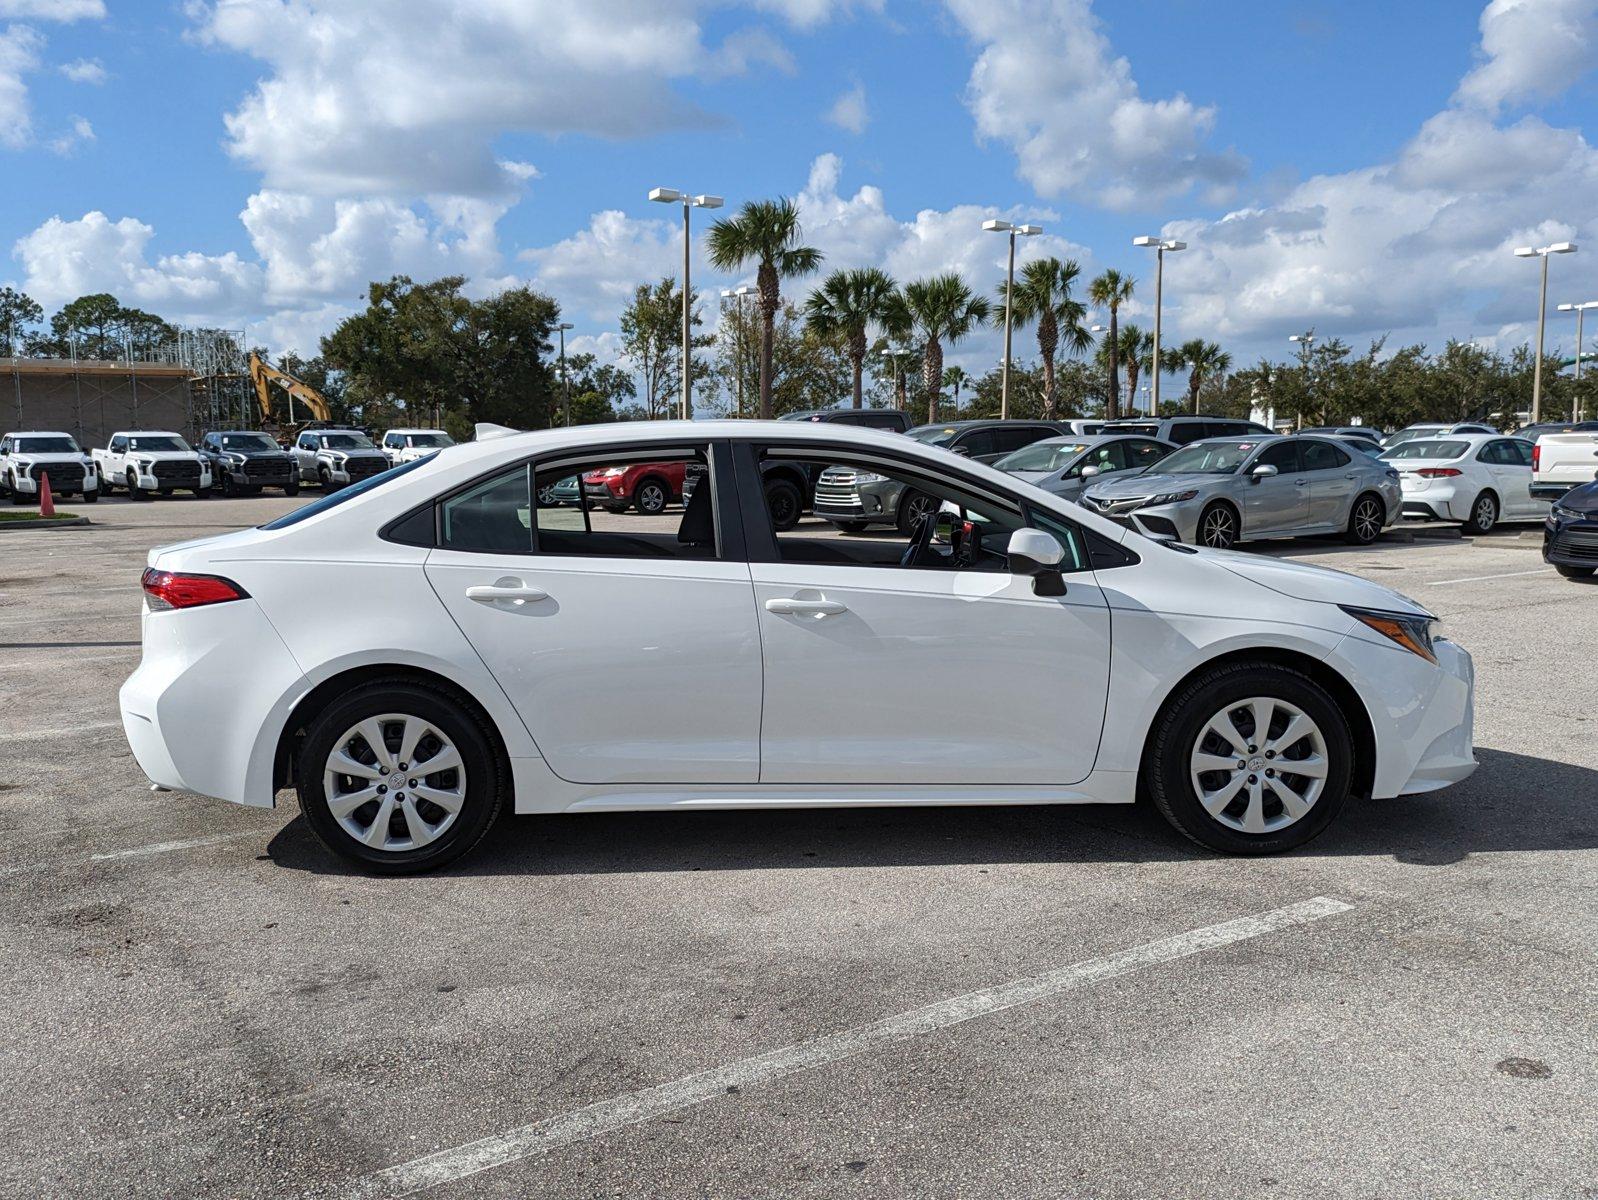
1367,521
1258,765
394,782
1218,528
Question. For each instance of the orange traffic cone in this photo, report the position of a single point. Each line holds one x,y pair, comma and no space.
46,502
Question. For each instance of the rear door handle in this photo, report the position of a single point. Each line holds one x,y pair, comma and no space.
1303,483
516,593
805,608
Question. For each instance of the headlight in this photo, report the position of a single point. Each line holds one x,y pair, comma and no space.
869,477
236,460
1171,498
1562,513
612,472
1413,631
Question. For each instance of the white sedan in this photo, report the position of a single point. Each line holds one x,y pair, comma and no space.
1477,479
426,647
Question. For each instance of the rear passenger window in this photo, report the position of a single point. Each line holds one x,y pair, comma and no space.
493,516
1323,456
1144,454
643,506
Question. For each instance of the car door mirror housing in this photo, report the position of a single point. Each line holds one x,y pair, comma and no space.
1263,471
1037,554
1089,472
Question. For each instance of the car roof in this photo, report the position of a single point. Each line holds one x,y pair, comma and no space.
38,433
976,422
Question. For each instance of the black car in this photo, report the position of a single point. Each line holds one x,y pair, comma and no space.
891,420
1570,534
988,441
243,461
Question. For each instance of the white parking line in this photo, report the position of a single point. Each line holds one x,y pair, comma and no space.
1479,578
132,852
447,1166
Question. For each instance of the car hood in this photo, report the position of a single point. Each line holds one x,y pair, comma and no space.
1583,499
52,456
259,453
163,455
1305,582
362,452
1030,476
1148,484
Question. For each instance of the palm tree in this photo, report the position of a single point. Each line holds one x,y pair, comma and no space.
1135,347
845,307
766,231
1043,294
956,378
1111,290
1201,359
941,308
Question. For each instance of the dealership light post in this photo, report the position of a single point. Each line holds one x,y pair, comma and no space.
1306,342
736,295
1541,252
1161,245
893,357
565,382
672,196
997,226
1581,313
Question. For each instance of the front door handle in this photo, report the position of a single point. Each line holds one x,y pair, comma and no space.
1303,483
511,590
805,608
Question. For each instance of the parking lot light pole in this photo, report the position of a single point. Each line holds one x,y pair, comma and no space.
565,382
736,295
688,202
1541,252
997,226
1306,341
1581,313
893,357
1161,245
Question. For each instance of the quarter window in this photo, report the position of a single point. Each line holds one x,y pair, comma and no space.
1323,456
493,516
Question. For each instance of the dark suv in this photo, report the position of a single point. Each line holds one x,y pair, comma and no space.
245,461
989,441
1179,431
891,420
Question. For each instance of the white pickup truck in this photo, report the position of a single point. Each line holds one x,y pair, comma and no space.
405,445
26,458
148,461
1561,461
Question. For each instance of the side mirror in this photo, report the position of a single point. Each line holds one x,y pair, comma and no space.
1089,472
1037,554
1263,471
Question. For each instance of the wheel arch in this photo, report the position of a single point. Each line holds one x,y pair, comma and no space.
1347,696
1225,502
655,477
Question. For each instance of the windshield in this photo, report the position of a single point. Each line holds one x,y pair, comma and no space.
1207,458
430,439
247,441
934,435
1041,456
160,441
1409,435
47,445
1427,448
333,499
346,441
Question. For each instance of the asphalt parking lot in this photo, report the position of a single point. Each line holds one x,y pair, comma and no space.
198,1000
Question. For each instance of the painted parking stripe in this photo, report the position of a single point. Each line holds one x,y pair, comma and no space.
133,852
1479,578
447,1166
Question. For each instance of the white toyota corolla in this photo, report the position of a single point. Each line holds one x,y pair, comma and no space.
419,650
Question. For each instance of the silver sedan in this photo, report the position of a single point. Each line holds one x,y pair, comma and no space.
1227,490
1065,465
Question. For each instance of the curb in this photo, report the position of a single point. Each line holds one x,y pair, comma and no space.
43,523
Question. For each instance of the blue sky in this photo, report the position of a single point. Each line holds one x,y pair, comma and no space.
1362,167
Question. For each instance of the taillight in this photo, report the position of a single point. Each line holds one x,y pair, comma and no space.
1439,472
172,589
1536,458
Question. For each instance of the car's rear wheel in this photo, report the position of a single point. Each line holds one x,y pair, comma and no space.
1217,527
399,776
1250,758
1575,572
1365,520
1483,514
785,503
651,497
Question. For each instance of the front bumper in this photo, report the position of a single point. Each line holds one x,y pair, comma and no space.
154,479
356,469
260,474
1571,543
28,485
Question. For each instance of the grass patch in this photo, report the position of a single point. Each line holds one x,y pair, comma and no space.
24,514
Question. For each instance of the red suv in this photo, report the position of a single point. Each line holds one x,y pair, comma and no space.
648,487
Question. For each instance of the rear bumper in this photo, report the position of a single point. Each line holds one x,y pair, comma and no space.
1554,489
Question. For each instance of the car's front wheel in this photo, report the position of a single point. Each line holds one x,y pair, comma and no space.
1217,527
651,497
1250,758
399,776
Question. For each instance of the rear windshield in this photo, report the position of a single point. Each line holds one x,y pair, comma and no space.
1428,448
339,497
1208,458
934,435
164,441
47,445
1041,456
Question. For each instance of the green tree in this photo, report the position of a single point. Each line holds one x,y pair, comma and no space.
956,378
1201,359
939,309
767,233
1111,290
19,313
651,340
1043,295
846,308
1135,348
808,371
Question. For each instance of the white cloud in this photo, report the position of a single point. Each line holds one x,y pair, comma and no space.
84,70
19,54
79,132
848,111
594,271
54,10
1047,82
1531,49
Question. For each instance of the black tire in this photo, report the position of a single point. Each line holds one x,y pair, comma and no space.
1176,734
785,503
1483,515
1365,519
1575,572
852,526
912,505
487,780
1218,526
325,479
17,497
91,497
652,495
546,496
292,488
202,493
229,488
166,493
135,492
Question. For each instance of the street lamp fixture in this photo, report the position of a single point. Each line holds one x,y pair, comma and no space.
1160,245
1581,313
565,382
737,295
893,357
997,226
1541,252
689,203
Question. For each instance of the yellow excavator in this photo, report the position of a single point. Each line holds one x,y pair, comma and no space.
263,375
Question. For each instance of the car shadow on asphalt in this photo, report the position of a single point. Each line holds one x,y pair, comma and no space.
1512,803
